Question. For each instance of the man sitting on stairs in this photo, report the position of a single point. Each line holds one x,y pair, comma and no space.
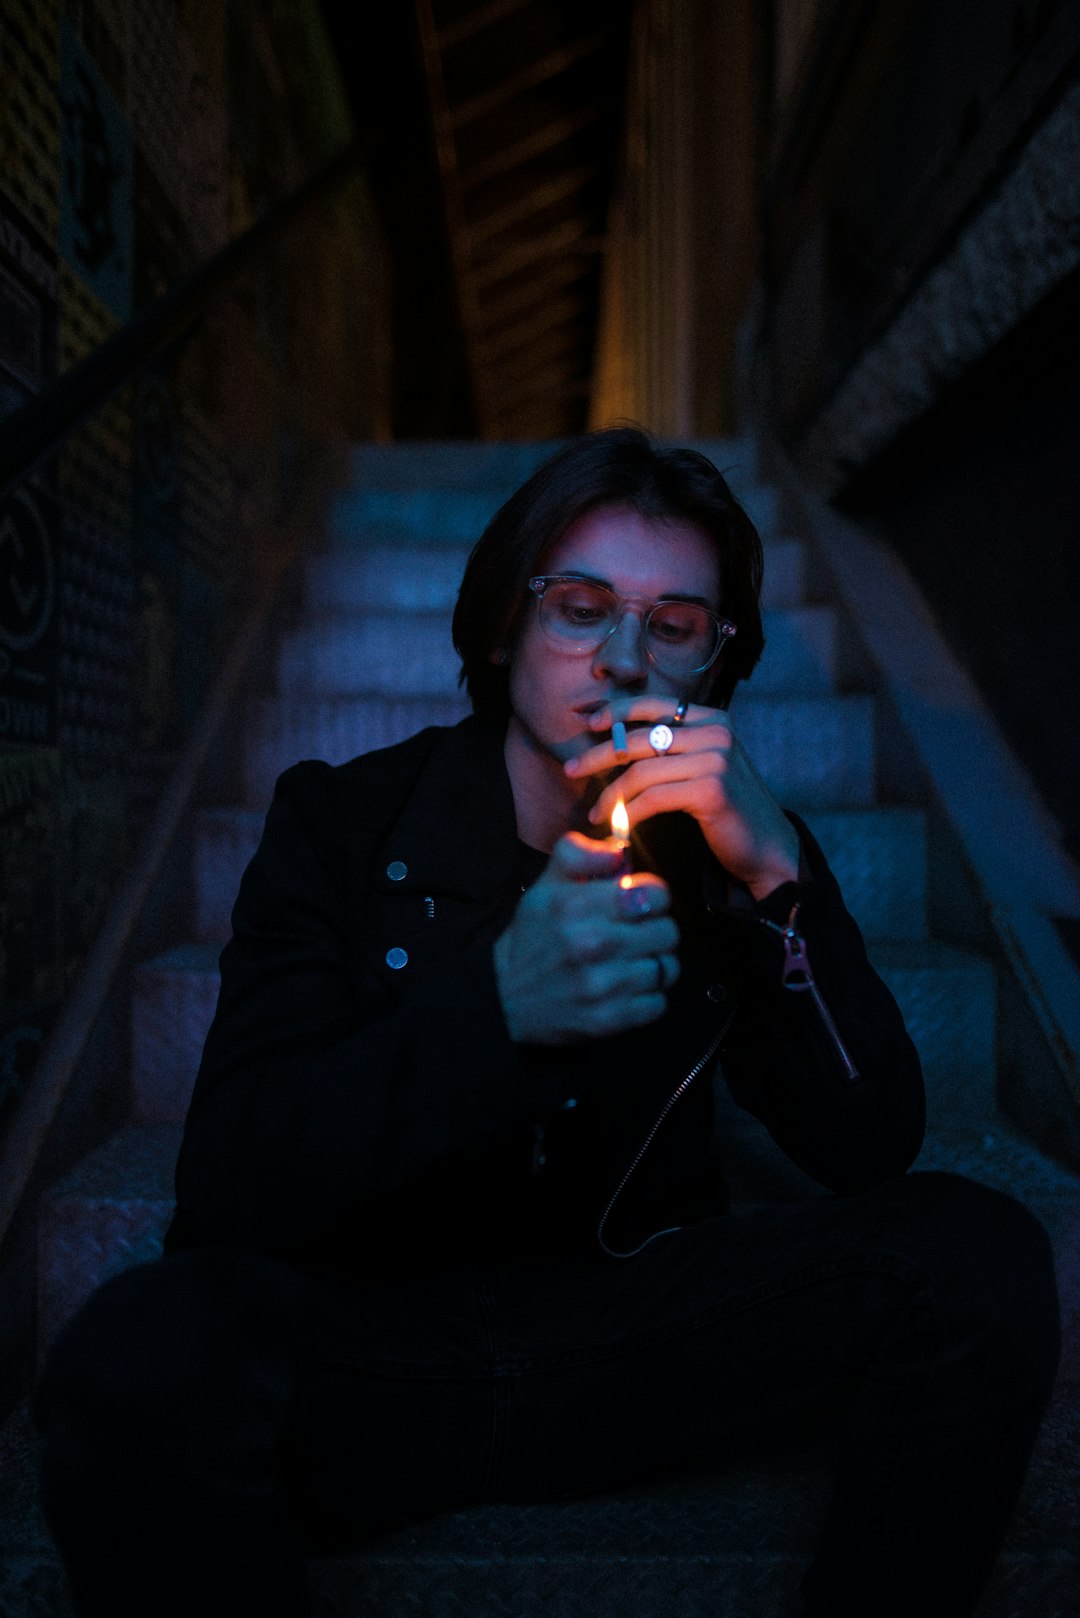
450,1227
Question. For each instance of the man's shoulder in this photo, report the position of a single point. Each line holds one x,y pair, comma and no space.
370,788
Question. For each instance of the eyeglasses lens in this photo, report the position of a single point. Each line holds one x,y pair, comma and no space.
680,638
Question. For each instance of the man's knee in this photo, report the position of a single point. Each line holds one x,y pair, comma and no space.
988,1258
155,1355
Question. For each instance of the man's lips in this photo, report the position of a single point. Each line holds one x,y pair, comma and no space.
588,708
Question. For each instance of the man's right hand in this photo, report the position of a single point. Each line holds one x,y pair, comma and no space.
584,955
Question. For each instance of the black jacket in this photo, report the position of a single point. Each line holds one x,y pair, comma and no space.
352,1114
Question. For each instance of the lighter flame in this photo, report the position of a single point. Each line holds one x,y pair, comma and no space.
620,821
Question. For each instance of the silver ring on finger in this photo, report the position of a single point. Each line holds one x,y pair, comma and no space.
661,738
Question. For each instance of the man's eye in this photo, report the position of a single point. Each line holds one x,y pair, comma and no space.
671,630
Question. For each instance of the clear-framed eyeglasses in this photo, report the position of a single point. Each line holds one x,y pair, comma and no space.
681,638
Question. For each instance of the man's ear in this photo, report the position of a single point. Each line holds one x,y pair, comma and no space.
500,657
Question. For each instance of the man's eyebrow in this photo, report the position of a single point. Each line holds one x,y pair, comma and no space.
669,595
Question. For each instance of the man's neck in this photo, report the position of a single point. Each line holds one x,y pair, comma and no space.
544,799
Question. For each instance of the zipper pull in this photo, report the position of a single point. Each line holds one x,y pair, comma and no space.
796,973
797,976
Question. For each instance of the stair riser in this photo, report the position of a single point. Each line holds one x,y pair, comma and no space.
467,464
836,771
951,1016
171,1012
411,654
282,730
82,1242
949,1013
385,577
455,516
878,856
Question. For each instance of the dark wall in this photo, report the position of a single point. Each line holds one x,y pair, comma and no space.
136,142
920,331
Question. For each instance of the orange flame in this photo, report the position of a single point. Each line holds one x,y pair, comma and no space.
620,821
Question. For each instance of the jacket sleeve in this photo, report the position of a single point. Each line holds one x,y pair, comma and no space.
823,1059
306,1108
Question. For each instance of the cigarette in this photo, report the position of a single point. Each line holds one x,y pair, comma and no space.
618,738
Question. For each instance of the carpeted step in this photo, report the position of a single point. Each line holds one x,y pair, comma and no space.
878,855
173,1000
945,993
426,578
410,653
107,1215
426,514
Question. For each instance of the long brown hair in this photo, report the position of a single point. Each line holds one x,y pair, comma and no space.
619,466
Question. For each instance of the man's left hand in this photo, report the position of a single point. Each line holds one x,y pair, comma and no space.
705,773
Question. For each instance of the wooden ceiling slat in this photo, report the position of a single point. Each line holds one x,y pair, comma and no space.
571,238
558,359
453,203
519,335
564,272
545,139
541,196
452,33
527,78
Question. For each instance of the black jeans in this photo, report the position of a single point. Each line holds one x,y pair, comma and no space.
199,1411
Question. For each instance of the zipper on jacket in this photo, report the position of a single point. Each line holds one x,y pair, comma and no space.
680,1090
798,976
539,1149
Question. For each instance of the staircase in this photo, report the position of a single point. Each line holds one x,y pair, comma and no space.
367,662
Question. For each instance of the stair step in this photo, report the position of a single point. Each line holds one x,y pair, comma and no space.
732,1540
878,855
225,840
948,998
107,1215
384,577
879,859
946,994
837,771
350,654
812,752
174,997
463,463
281,730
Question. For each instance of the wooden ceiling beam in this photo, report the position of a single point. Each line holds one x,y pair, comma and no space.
527,78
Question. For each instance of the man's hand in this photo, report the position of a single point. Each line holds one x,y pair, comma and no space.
586,954
706,773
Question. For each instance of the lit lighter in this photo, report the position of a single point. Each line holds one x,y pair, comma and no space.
620,836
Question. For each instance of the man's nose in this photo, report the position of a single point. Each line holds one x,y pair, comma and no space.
622,656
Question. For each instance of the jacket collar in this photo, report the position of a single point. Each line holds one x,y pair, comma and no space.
458,832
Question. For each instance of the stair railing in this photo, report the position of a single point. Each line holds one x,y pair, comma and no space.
30,437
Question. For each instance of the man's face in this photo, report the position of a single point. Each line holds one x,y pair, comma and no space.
552,690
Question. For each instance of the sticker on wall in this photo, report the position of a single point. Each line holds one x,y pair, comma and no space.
27,310
28,595
96,191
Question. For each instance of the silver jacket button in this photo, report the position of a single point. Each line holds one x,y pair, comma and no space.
397,870
397,958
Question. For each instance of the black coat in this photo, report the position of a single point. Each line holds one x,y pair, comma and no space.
352,1114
